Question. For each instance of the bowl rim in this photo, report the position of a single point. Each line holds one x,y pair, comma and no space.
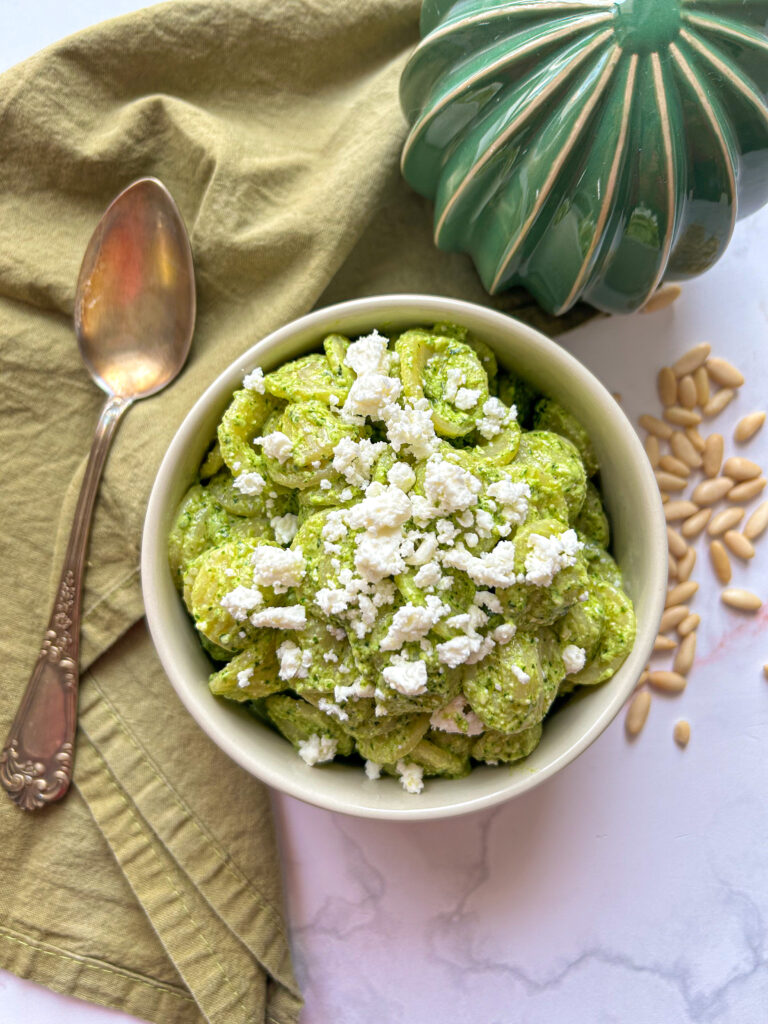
154,549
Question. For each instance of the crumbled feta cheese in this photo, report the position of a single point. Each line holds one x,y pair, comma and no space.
332,601
522,677
449,487
338,634
466,519
401,475
254,381
496,416
471,539
329,708
279,568
574,659
368,354
378,554
483,523
412,622
504,633
494,568
407,677
294,662
249,483
335,528
454,378
547,556
425,551
276,445
285,527
240,601
279,617
428,575
358,690
484,598
388,509
244,677
466,398
412,428
374,395
446,532
456,651
354,459
317,749
411,776
325,485
330,656
372,770
457,717
513,497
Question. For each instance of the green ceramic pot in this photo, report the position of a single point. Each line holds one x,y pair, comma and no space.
589,148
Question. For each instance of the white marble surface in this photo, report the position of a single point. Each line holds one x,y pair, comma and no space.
631,888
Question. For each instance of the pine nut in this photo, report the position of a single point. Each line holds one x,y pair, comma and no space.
701,383
756,523
738,468
664,497
638,712
664,643
673,616
748,490
669,481
685,565
714,446
743,600
662,297
724,373
689,623
695,438
710,491
725,520
692,527
748,426
721,563
671,566
672,465
683,448
674,510
682,417
683,662
718,402
692,359
682,733
677,545
686,392
642,678
652,449
681,593
739,545
667,682
655,426
666,383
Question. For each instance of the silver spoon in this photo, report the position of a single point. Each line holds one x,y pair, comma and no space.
134,317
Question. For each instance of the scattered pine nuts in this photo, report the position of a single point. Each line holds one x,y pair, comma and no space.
656,426
664,643
675,510
714,446
685,565
684,449
683,662
743,600
638,712
682,417
724,373
664,497
748,490
686,392
676,544
738,544
748,426
669,481
652,450
667,682
681,593
671,566
689,623
692,359
672,465
738,468
682,733
695,438
718,402
693,526
708,492
725,520
756,523
701,383
721,563
673,616
662,298
666,383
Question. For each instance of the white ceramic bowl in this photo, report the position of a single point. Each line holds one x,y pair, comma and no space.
639,544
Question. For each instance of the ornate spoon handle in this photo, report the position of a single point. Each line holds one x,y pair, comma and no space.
36,761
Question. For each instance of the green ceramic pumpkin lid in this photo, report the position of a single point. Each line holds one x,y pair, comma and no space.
588,148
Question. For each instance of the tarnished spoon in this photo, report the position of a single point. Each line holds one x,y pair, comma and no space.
134,317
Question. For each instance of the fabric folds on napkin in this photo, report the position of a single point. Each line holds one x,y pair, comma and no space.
155,885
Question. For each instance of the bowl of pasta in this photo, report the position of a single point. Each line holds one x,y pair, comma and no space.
405,558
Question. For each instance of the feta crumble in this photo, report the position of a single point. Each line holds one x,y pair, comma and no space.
411,776
317,749
249,483
574,659
254,381
276,445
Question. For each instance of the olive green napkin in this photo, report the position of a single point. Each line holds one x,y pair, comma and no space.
155,886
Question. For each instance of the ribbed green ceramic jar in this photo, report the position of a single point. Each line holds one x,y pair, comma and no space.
589,148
